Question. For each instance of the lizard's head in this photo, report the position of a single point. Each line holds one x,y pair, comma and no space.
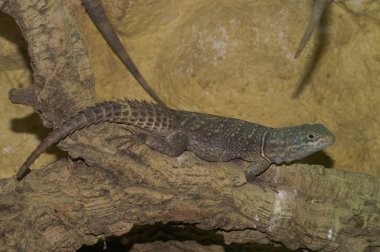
294,143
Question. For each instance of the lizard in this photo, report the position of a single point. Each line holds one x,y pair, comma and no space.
210,137
99,17
318,9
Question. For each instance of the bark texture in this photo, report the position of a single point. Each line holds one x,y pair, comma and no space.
106,190
68,204
61,70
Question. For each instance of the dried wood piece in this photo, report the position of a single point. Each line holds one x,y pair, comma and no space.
63,79
72,203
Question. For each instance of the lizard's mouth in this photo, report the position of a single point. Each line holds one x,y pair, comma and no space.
327,141
299,153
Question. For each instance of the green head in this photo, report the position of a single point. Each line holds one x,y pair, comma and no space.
293,143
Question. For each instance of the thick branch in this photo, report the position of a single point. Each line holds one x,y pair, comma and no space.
63,79
70,203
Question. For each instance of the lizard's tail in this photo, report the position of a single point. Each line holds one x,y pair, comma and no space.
151,117
318,9
148,116
100,19
106,111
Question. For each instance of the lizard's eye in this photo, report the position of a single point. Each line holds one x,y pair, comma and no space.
311,137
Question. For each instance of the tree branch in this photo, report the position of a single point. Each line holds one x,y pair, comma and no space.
63,79
68,204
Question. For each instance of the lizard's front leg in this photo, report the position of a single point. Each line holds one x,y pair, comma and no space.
256,168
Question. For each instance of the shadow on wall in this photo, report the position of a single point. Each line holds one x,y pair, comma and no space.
32,124
318,158
10,31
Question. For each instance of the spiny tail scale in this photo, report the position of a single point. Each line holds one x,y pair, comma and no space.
151,117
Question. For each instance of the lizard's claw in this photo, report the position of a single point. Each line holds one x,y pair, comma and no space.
260,182
131,140
129,130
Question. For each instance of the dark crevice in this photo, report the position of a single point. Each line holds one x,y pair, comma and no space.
174,232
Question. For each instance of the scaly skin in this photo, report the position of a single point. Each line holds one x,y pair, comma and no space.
318,9
212,138
100,19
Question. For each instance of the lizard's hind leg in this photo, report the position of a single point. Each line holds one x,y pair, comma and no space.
131,138
173,145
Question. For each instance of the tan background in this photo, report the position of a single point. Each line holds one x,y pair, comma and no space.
232,58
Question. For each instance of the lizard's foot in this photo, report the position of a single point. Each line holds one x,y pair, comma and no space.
129,130
264,185
131,140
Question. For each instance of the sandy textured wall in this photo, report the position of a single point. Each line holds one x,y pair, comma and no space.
232,58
